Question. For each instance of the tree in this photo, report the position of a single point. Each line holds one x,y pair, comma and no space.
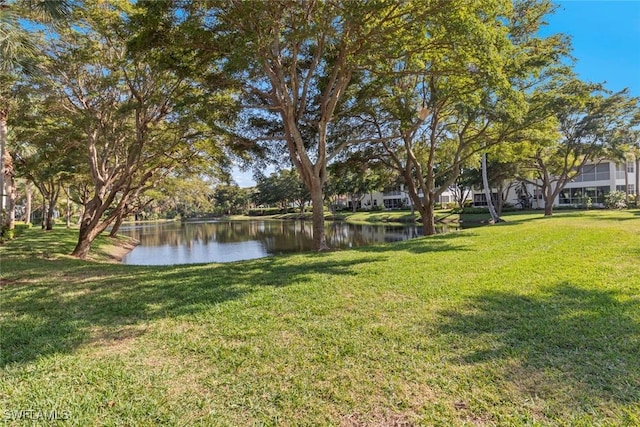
502,172
230,199
281,188
463,185
588,117
17,56
296,62
462,95
295,190
356,176
45,143
139,121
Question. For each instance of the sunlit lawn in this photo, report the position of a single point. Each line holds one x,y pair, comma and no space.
532,322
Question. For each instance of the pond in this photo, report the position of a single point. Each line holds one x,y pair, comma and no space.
225,241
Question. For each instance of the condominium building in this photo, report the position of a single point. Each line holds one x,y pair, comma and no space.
594,181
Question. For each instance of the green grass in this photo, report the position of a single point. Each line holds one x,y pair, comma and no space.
390,217
531,322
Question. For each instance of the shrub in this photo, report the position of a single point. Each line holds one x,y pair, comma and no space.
6,234
615,200
21,228
264,211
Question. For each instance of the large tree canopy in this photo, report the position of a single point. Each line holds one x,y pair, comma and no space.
135,121
295,64
588,121
461,94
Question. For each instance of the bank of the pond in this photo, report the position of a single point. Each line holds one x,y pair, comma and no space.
119,247
369,217
531,322
57,244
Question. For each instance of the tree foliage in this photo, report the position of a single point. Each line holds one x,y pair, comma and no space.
588,120
138,121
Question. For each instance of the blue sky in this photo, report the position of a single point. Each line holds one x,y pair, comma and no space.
605,36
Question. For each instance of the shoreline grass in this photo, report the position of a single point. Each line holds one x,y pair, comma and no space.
531,322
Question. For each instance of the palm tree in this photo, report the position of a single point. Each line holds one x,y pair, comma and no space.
18,55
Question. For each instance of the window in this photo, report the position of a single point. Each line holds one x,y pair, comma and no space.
481,200
537,194
599,172
620,171
630,190
630,167
393,203
581,196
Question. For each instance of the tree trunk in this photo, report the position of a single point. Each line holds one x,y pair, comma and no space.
428,217
487,191
68,208
500,200
7,183
548,202
50,209
27,208
116,225
43,223
317,201
85,238
3,153
10,184
89,229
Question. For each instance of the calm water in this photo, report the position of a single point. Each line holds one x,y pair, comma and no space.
225,241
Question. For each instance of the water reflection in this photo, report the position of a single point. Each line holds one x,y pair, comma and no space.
225,241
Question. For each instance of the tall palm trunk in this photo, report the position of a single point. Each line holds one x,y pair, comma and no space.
626,182
27,209
3,152
68,208
487,191
7,189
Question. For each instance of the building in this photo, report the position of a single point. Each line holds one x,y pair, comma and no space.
591,185
397,198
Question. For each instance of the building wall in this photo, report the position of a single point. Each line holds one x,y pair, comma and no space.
396,199
594,182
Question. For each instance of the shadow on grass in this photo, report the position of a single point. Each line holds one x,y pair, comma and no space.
60,304
598,214
473,220
583,342
450,241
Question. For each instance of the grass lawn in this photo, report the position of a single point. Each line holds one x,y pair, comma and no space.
531,322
